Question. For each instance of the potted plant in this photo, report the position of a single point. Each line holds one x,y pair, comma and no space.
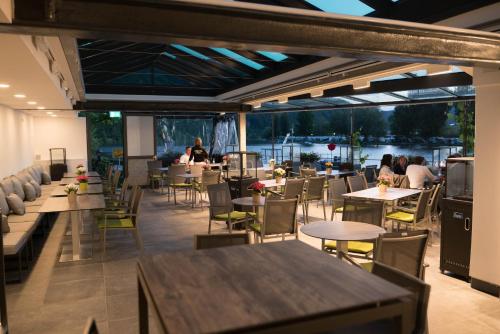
83,182
384,182
256,189
329,167
71,190
278,174
80,170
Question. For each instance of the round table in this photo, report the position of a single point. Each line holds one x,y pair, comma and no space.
248,201
341,232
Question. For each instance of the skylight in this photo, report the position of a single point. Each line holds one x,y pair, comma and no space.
239,58
347,7
276,56
169,55
190,51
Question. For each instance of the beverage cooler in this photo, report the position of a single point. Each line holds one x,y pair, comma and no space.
456,217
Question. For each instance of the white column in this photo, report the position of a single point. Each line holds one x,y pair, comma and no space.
243,131
485,252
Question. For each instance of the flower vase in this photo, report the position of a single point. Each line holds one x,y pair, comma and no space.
278,179
329,171
382,188
83,187
271,165
72,198
256,197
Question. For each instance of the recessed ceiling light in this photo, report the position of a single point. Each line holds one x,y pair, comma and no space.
40,108
19,96
31,103
53,115
49,112
4,85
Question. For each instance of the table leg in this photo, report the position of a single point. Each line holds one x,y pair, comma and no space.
143,309
342,247
75,233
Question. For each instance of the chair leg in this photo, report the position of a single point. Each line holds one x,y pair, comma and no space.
209,225
175,196
230,227
324,210
304,212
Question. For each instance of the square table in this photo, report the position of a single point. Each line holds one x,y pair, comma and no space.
284,287
68,180
92,189
390,195
73,174
272,183
61,204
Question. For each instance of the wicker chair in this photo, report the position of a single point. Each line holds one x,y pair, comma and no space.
371,175
363,211
121,198
417,217
356,183
314,191
175,182
206,241
208,177
111,187
308,172
280,219
222,208
293,188
336,188
154,175
400,181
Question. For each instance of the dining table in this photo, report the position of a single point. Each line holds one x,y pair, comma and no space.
342,232
374,194
92,189
74,175
277,287
272,183
91,180
334,173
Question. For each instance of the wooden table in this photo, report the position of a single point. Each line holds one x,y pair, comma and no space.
68,180
335,173
272,183
61,204
73,174
391,194
342,232
248,201
280,287
92,189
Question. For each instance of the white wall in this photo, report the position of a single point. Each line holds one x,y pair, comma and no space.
16,146
140,135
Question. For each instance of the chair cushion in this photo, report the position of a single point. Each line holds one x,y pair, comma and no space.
16,204
7,186
13,242
4,206
360,247
46,178
181,185
368,266
37,187
235,215
115,223
27,217
5,224
29,192
24,177
255,227
18,187
339,210
401,216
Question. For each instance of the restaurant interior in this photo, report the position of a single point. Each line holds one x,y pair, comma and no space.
107,228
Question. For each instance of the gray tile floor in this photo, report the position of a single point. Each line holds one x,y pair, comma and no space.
59,297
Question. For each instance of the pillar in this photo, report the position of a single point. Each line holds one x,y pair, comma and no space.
243,131
485,249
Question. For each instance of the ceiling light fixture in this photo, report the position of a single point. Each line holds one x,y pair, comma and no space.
257,105
32,103
282,100
360,84
40,107
438,69
4,85
19,96
317,93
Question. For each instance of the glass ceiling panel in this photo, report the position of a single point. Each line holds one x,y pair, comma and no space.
462,90
420,94
190,51
378,98
391,77
277,105
276,56
239,58
347,7
339,100
308,103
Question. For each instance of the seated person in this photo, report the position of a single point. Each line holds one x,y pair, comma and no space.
184,159
418,173
385,166
401,165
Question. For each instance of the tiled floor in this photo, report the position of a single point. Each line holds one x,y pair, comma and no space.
59,297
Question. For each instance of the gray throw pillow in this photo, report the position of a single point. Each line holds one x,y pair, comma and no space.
18,187
35,175
7,186
5,224
16,204
4,206
46,178
29,192
37,187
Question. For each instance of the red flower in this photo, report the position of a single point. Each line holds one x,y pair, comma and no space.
256,186
82,179
176,161
332,146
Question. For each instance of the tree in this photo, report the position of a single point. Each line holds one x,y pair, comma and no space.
340,122
426,120
305,123
371,121
465,116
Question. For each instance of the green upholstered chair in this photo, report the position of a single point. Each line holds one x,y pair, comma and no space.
357,183
336,188
154,175
208,177
314,191
175,182
418,217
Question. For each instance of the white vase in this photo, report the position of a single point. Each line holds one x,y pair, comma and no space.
278,179
256,197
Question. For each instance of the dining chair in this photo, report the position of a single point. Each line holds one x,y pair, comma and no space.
433,208
418,217
154,175
371,175
314,191
126,221
175,182
110,189
119,198
363,211
222,209
196,169
336,188
206,241
208,177
400,181
308,172
280,219
293,188
356,183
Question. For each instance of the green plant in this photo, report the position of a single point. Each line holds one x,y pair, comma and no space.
309,157
356,142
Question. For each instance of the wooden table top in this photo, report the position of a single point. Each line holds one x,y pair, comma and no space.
335,172
248,201
240,287
272,183
73,174
391,194
61,204
189,176
92,189
342,230
92,180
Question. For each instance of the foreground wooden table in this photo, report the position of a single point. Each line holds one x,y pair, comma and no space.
286,287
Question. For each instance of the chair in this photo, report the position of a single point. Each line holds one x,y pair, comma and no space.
293,188
314,191
196,169
401,181
206,241
356,183
417,216
433,207
123,221
371,175
121,197
110,188
208,177
336,188
222,209
175,182
363,211
308,172
91,327
280,219
154,175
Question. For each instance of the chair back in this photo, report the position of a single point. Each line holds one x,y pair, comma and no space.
109,172
196,169
294,188
153,166
422,208
209,177
314,188
175,170
404,251
433,203
356,183
136,207
336,188
114,183
363,211
400,181
206,241
219,197
371,173
308,172
419,297
123,190
280,217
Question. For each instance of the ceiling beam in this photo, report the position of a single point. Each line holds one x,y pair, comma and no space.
215,107
70,49
243,25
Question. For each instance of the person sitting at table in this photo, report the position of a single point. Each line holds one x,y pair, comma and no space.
401,165
418,173
198,154
184,159
385,166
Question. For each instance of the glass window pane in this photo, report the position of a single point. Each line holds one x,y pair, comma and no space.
190,51
276,56
239,58
339,100
308,103
462,90
428,93
348,7
378,98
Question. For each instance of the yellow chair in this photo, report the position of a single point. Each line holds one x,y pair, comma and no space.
420,215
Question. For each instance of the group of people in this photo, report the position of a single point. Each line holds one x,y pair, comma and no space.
195,155
418,174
